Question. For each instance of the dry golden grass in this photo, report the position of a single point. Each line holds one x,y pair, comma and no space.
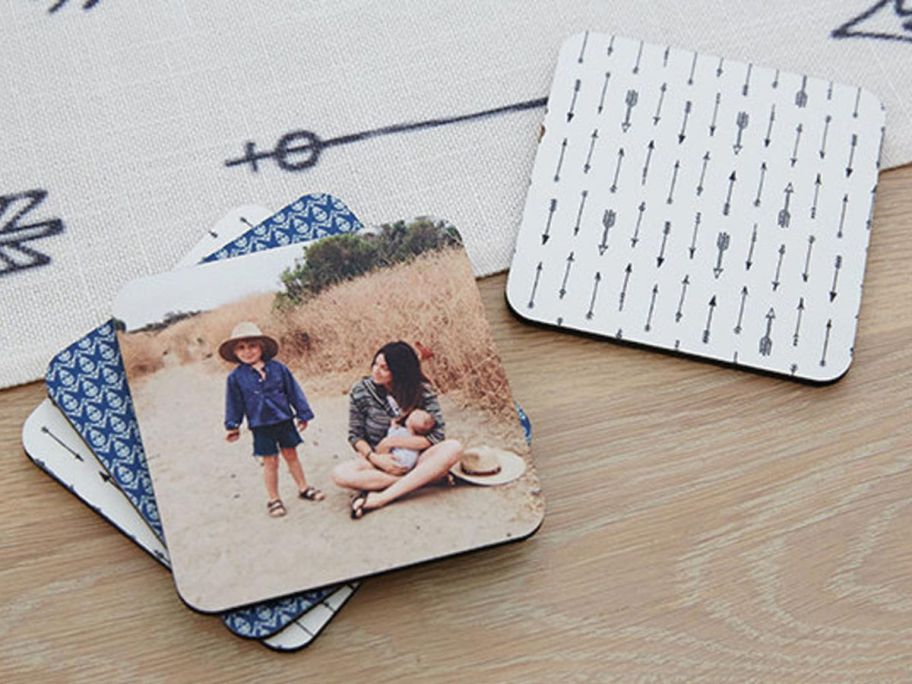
432,300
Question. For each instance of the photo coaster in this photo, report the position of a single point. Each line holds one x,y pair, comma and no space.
699,205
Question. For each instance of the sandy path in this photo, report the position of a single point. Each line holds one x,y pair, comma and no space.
227,552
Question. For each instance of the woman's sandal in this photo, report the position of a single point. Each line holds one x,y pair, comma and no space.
357,505
312,494
275,508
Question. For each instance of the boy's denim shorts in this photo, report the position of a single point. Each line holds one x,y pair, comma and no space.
267,439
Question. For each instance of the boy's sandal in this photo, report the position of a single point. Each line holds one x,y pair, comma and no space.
357,505
312,494
275,508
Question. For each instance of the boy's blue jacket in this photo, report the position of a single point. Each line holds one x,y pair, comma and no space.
265,401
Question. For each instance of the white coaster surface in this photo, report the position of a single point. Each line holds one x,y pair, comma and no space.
694,204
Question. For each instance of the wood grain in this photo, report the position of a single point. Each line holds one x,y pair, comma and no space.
702,523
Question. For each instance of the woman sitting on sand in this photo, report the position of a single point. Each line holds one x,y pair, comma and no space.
395,388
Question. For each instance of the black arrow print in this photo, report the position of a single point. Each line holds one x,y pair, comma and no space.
563,288
766,342
838,265
660,259
608,220
679,314
552,207
588,164
693,68
709,318
722,243
801,97
105,477
579,212
741,310
623,296
798,131
611,46
560,160
795,335
595,285
693,239
719,68
583,48
538,270
760,186
617,171
703,173
817,184
750,251
769,126
665,56
636,230
658,114
636,67
857,101
776,79
746,86
794,368
674,180
652,303
776,280
630,100
741,122
784,216
681,133
604,90
842,215
59,441
826,130
712,124
826,342
649,148
805,274
830,91
576,88
731,186
849,168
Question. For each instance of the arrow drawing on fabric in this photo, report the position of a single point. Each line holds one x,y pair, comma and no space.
679,314
658,114
636,67
826,130
576,88
826,341
16,231
805,274
715,116
660,259
722,243
719,68
801,97
769,126
595,285
760,185
682,132
750,251
652,303
588,164
674,180
649,148
849,168
665,56
538,270
73,453
583,48
766,342
838,265
611,46
709,318
86,5
741,310
563,287
776,280
795,335
731,186
617,170
560,160
623,296
817,184
552,207
693,240
830,91
798,131
608,220
857,101
579,212
775,83
105,477
741,122
747,78
636,230
703,173
693,68
604,91
630,100
784,216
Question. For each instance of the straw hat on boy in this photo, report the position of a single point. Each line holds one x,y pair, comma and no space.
486,465
246,330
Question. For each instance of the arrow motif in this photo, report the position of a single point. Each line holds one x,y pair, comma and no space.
636,231
674,180
784,216
842,215
778,267
750,252
596,280
665,231
709,318
687,107
838,266
617,171
679,314
627,272
712,124
870,218
857,101
652,303
649,148
608,219
760,186
741,310
105,477
59,441
665,56
826,342
801,97
747,79
631,101
604,90
658,114
798,131
693,68
538,270
826,130
703,173
563,289
636,67
611,46
731,185
722,243
719,68
583,49
769,126
830,91
588,164
560,160
807,259
817,184
766,342
576,89
741,122
579,213
798,322
849,168
551,209
776,80
693,239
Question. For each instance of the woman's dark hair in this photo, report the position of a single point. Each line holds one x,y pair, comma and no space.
405,367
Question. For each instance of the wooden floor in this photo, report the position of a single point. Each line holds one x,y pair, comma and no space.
702,522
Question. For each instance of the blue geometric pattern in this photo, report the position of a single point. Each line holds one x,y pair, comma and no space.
265,619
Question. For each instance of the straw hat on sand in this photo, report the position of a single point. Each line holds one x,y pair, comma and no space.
245,330
486,465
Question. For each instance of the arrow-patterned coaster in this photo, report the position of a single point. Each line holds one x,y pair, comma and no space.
693,204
